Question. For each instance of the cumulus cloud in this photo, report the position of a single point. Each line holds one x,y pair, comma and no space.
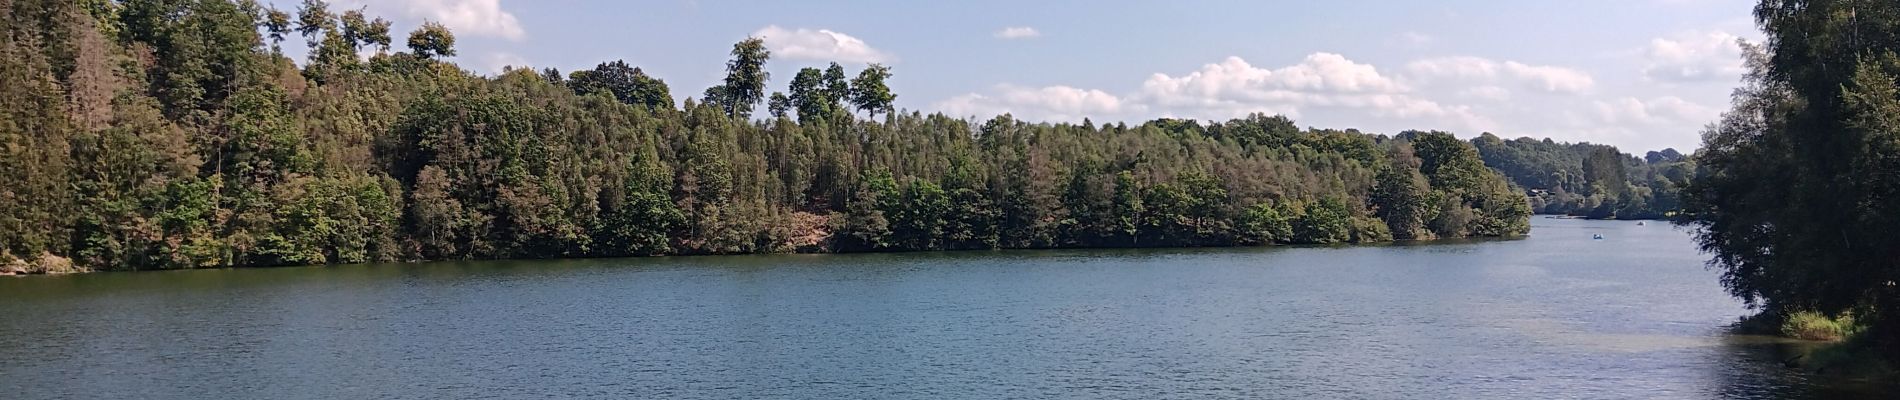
1536,77
1017,32
1461,94
1634,123
1666,110
1056,103
818,45
1693,56
1234,79
1233,87
466,17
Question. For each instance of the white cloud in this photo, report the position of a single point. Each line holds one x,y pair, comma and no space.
1693,56
1632,123
818,45
464,17
1322,82
1234,87
1536,77
1017,32
1666,110
1467,95
1055,103
1234,79
1492,93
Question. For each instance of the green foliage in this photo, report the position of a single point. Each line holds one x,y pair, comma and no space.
360,31
867,226
1809,325
1400,200
642,222
624,83
1266,223
817,95
745,78
175,134
1590,180
869,93
432,40
1794,195
1326,221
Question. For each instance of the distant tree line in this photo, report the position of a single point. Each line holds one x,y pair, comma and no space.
1590,180
152,134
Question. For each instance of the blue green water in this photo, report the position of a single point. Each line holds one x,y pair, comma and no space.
1557,315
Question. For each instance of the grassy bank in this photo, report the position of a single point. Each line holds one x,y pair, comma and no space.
1847,346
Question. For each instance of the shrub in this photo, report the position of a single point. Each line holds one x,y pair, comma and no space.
1809,325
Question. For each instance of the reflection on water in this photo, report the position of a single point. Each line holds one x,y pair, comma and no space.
1557,315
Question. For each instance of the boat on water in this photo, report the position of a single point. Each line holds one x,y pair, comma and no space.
1596,237
1641,223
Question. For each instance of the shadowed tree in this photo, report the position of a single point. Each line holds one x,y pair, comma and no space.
432,40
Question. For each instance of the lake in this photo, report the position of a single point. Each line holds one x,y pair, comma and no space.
1556,315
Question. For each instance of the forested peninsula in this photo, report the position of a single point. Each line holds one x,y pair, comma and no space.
164,134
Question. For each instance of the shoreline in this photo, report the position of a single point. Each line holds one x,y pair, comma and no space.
1409,242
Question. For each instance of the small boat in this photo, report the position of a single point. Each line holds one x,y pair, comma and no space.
1641,223
1596,237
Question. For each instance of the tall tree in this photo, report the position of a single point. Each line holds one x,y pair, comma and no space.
313,19
745,77
1796,195
869,92
432,40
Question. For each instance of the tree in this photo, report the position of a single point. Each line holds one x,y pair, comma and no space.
868,91
778,105
1604,171
1127,208
1400,199
625,83
1795,195
358,30
643,221
432,40
812,97
277,25
867,226
1450,164
745,78
920,217
1266,223
313,19
1326,221
836,87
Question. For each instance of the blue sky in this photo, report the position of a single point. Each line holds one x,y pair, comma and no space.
1640,74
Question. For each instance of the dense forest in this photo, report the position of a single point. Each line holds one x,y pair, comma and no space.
154,134
1798,197
1590,180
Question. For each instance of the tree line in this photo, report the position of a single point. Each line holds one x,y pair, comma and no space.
1590,180
156,134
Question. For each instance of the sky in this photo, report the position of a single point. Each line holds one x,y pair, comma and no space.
1638,74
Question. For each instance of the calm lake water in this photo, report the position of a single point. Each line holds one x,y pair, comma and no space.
1558,315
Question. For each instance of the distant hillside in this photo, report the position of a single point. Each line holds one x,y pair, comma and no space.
1590,180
